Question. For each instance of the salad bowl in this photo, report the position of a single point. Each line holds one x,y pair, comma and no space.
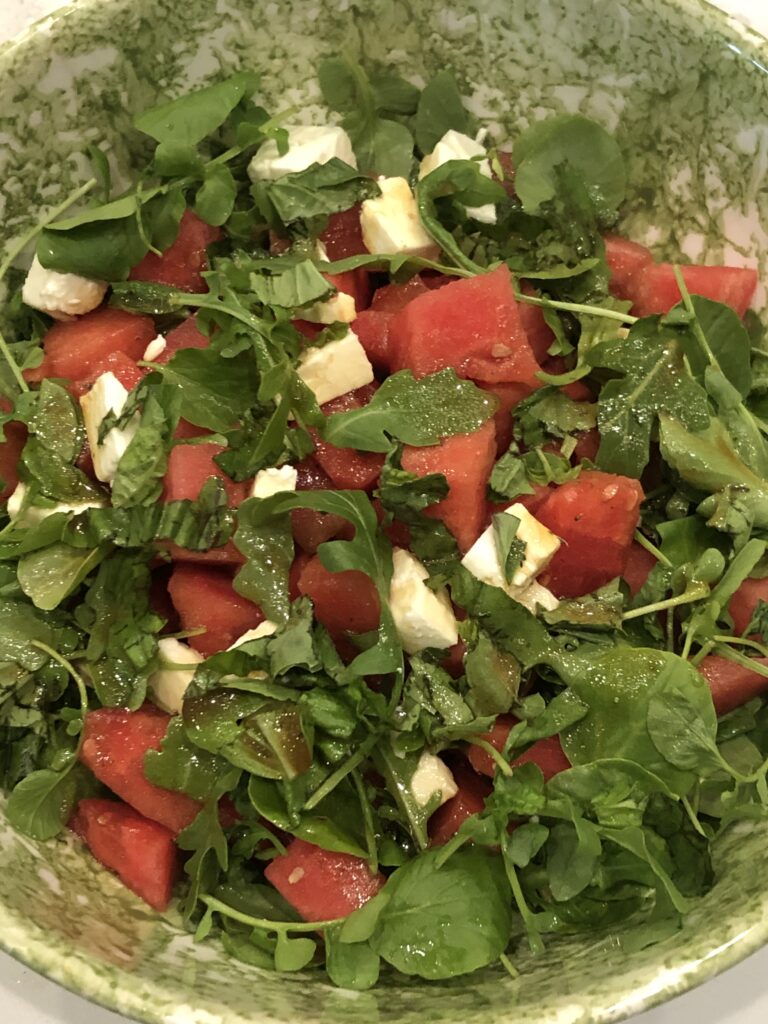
684,90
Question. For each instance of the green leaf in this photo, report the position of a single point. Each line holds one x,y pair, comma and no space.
352,966
654,383
293,954
186,768
727,339
51,574
319,191
41,804
268,551
440,109
297,284
510,550
683,727
493,676
573,853
215,198
447,921
583,144
204,838
525,842
140,472
416,412
215,392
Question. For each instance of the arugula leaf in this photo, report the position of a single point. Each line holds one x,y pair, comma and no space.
573,853
569,139
268,551
440,922
215,391
51,574
350,965
440,109
416,412
140,472
185,768
215,198
727,341
654,382
41,804
509,548
493,677
316,192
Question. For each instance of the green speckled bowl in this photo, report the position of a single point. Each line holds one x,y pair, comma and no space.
686,92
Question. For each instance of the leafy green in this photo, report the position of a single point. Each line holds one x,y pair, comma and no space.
416,412
268,551
317,192
440,109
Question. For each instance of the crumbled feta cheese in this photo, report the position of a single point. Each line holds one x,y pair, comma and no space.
456,146
33,514
423,617
390,222
482,559
265,628
307,145
336,368
155,348
169,683
107,395
61,296
432,777
273,480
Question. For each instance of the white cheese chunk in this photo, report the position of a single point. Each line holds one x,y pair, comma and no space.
535,596
169,682
457,146
423,617
155,348
339,309
482,559
432,777
107,395
274,480
33,514
336,368
307,145
61,296
390,222
265,628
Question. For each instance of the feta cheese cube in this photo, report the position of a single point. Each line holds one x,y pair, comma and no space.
336,368
482,559
307,145
61,296
457,146
432,777
33,514
273,480
390,222
265,628
423,617
340,308
169,682
155,348
107,395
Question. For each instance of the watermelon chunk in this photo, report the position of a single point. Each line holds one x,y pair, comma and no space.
539,334
508,395
743,603
472,325
356,283
466,461
394,297
127,371
321,884
311,528
625,260
637,567
731,684
372,330
348,469
596,516
186,335
470,799
140,852
73,350
189,466
10,453
183,262
655,289
548,753
115,743
204,597
343,236
345,602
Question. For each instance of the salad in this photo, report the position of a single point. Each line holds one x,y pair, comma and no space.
383,570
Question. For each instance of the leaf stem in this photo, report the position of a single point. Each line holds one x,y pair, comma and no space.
534,938
333,780
264,923
651,548
370,831
695,593
578,307
501,764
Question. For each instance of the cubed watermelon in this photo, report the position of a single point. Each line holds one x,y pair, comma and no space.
595,516
466,461
394,297
539,334
548,753
345,602
183,262
637,567
731,684
186,335
140,852
205,598
348,469
356,283
508,395
321,884
472,325
73,350
115,743
470,799
10,453
343,237
190,466
625,260
311,528
655,290
743,603
372,330
127,371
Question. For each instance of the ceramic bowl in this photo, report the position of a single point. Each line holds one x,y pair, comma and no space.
686,92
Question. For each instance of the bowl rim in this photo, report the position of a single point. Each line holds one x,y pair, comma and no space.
136,998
